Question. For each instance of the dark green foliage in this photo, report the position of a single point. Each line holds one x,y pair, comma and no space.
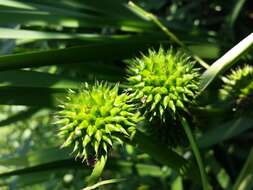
171,100
237,90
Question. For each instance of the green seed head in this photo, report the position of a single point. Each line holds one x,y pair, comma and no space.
92,117
163,81
238,89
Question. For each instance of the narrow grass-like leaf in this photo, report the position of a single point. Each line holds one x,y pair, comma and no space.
17,88
20,116
97,171
245,178
177,184
18,79
43,15
106,51
9,33
55,158
29,179
226,61
168,157
37,157
102,183
51,166
225,131
235,13
38,97
195,149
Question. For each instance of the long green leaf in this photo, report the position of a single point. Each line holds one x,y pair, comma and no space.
226,61
205,50
102,183
33,88
245,178
96,52
52,16
18,117
30,97
7,33
18,79
97,171
235,13
29,179
74,7
44,89
52,158
167,157
225,131
37,157
195,150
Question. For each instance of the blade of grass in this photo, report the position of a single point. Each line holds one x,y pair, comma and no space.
226,61
102,183
106,51
16,4
22,78
57,18
8,33
172,36
25,180
225,131
52,158
194,146
167,157
28,6
44,90
97,171
218,170
51,166
18,117
245,178
235,13
36,157
38,97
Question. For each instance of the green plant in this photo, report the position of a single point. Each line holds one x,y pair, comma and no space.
91,118
195,132
163,81
238,88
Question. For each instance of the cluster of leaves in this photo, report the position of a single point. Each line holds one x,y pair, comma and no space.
47,47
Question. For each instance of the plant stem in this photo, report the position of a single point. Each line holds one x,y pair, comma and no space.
102,183
173,37
97,171
245,178
196,153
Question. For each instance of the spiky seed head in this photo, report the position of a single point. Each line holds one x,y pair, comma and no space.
90,118
163,81
237,89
